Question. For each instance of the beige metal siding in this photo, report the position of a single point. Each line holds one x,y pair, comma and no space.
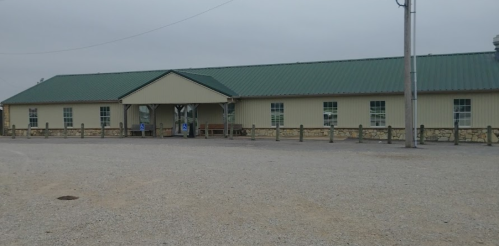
164,114
352,111
212,113
89,114
174,89
132,115
437,110
434,110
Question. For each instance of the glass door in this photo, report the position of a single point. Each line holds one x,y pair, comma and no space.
192,117
185,114
179,111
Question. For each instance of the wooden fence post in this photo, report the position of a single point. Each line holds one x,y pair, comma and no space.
206,130
389,135
231,131
28,133
65,131
331,134
82,130
277,132
253,132
456,133
489,135
13,131
102,130
121,129
360,134
161,130
46,130
301,133
421,134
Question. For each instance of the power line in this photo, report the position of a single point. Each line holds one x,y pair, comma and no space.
120,39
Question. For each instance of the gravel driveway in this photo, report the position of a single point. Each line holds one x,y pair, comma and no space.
221,192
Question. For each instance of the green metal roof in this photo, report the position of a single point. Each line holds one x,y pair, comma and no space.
209,82
85,87
436,73
102,87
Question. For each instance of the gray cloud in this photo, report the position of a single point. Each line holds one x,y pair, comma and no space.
243,32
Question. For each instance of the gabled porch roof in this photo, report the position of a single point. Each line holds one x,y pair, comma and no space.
176,87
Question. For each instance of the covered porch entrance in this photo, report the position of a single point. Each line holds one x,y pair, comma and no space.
198,115
179,98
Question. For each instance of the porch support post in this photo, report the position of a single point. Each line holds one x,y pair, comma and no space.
225,107
185,114
226,119
125,118
179,109
153,108
194,118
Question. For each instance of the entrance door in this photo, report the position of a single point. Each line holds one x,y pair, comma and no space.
185,114
179,119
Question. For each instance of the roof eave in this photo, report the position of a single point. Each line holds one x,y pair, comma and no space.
63,102
365,94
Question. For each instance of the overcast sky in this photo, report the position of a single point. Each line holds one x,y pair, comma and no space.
240,33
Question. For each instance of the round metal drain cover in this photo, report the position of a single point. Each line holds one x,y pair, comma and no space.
67,198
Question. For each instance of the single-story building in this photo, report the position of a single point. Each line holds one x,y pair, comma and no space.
461,88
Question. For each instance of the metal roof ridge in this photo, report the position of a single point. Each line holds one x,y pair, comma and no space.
333,61
198,74
274,64
143,71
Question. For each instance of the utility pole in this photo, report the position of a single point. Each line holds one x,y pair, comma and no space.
409,143
415,77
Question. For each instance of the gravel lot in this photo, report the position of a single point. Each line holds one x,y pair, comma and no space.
221,192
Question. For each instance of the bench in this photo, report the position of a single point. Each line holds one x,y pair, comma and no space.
136,128
219,127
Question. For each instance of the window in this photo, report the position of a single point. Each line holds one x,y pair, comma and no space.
144,116
68,116
277,114
231,112
378,115
462,112
231,109
105,116
330,113
33,117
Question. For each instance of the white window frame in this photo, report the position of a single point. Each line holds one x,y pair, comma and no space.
231,113
334,114
105,116
382,112
30,117
274,114
457,110
64,116
148,111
